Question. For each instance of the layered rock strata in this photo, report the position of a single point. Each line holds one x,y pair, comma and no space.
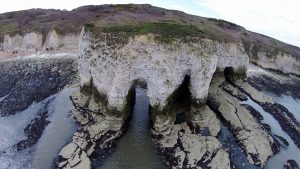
100,127
35,44
109,71
285,118
253,138
194,145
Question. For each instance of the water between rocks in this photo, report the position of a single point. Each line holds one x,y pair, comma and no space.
287,153
56,134
135,149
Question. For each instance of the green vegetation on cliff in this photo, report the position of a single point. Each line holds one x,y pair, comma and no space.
127,20
164,32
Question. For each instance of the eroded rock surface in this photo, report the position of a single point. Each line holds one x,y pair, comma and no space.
113,59
24,81
253,138
285,118
98,132
291,164
183,149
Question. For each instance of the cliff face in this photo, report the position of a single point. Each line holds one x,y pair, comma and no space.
39,31
283,62
188,64
114,69
35,44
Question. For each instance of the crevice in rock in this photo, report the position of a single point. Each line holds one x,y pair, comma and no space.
179,102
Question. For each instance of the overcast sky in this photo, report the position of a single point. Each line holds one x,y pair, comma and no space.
276,18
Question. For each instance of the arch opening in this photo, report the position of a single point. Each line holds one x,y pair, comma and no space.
180,101
233,74
229,73
137,140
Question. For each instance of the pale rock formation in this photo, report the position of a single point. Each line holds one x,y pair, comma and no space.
111,71
30,42
55,41
12,43
192,150
283,62
235,92
204,118
94,127
162,66
285,118
254,94
254,139
34,43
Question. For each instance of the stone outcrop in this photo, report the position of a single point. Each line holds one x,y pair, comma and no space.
99,129
176,66
285,118
108,72
253,138
114,69
280,61
183,149
204,121
35,43
291,164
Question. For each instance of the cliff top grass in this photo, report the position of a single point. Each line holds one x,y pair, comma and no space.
131,19
164,32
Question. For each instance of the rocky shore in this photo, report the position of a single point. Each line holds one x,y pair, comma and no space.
196,70
28,80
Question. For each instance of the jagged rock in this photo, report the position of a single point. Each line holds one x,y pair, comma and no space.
285,118
186,150
163,67
97,132
291,164
235,92
72,156
253,93
204,118
256,142
283,140
278,84
68,150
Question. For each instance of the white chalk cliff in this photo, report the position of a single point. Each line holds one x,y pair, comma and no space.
113,59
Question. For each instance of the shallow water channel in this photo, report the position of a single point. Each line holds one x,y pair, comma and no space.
57,133
135,149
286,153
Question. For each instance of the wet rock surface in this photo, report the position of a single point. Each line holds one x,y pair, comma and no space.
28,91
189,140
95,137
252,137
291,164
285,118
203,121
25,81
263,82
34,131
288,122
182,149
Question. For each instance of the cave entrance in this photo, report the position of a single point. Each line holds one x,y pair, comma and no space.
135,148
229,73
232,74
180,101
